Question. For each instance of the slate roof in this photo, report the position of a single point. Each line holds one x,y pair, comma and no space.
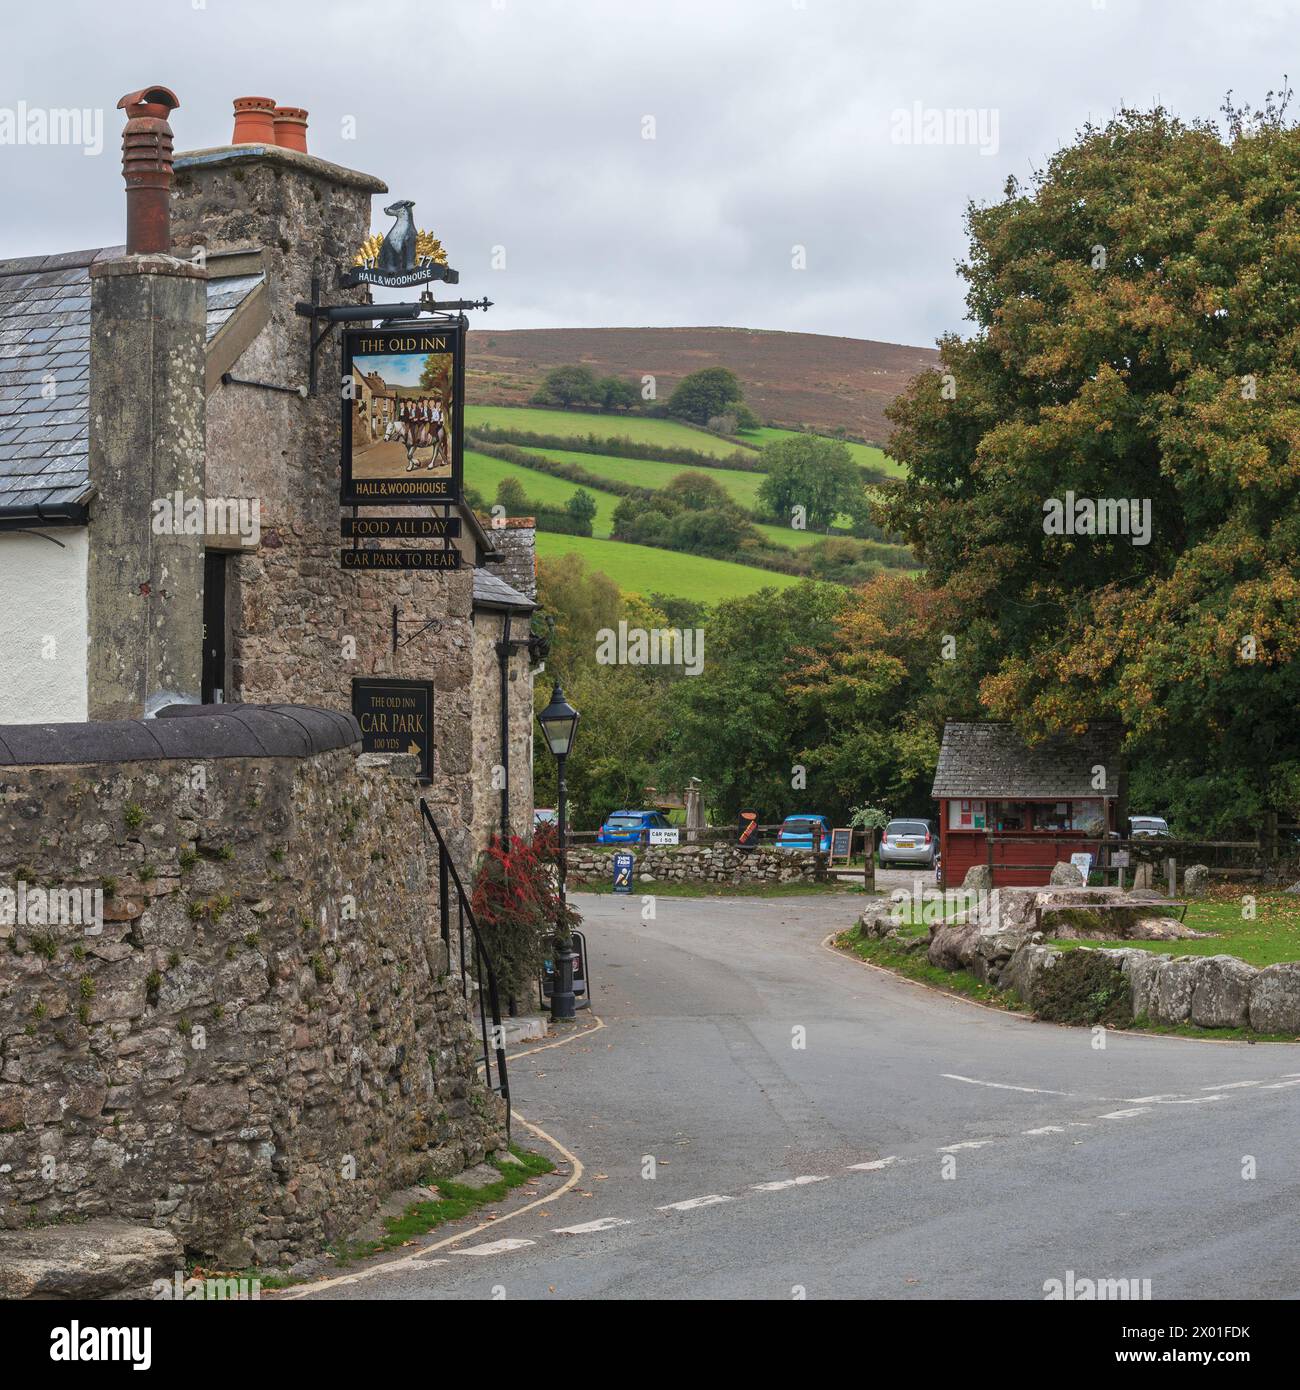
489,589
991,760
45,331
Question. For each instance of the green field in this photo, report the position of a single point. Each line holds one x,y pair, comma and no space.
642,569
484,473
788,536
670,433
741,487
865,454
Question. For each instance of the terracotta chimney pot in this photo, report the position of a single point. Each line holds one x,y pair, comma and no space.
254,121
291,128
147,169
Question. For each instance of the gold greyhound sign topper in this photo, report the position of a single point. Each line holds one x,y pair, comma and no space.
403,255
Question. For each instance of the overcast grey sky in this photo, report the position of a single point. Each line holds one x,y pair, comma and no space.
521,124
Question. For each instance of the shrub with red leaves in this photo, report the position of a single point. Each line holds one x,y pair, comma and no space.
516,902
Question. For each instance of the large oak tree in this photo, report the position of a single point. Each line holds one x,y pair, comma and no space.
1137,336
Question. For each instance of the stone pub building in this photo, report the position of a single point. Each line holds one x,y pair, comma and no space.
261,1032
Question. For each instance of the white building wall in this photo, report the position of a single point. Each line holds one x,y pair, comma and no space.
43,625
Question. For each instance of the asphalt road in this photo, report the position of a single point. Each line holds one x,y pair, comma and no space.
758,1069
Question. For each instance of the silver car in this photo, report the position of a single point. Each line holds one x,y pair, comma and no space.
908,842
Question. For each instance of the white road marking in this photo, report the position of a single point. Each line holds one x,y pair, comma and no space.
495,1247
874,1166
1127,1114
965,1144
1046,1129
1175,1099
692,1202
1278,1085
1167,1098
605,1223
1002,1086
784,1183
1231,1086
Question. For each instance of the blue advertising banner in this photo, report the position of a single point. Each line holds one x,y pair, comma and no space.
623,862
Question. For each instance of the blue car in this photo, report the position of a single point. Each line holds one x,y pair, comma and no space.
626,827
797,832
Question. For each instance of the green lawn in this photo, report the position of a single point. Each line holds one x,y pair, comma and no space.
642,569
1272,936
484,473
742,487
576,422
866,454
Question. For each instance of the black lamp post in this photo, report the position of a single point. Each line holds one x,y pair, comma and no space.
559,721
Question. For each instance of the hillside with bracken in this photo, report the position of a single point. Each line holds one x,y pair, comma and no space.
798,380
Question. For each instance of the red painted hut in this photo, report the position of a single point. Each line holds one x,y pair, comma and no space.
1022,808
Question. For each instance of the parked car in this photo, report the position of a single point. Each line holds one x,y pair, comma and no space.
797,832
545,815
626,827
1148,827
908,842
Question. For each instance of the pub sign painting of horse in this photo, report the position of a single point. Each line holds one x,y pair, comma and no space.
403,408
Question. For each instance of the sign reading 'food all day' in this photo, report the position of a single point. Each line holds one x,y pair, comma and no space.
396,716
403,413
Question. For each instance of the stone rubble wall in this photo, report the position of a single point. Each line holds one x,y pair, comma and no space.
720,863
1207,991
268,1035
999,946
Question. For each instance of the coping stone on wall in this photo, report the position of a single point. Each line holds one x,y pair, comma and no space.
183,731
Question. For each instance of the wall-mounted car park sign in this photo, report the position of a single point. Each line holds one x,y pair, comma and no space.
664,835
401,528
403,414
396,716
448,559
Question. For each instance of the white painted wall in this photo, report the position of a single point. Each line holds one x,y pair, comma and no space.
43,625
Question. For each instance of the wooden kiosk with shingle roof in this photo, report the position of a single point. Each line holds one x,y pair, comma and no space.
1022,808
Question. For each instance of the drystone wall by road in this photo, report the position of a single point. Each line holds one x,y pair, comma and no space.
722,863
263,1034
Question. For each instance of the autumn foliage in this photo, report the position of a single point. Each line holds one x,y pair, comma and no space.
516,903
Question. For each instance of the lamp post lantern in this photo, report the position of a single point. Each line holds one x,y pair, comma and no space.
559,721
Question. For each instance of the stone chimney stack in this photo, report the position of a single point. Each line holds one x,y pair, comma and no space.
148,318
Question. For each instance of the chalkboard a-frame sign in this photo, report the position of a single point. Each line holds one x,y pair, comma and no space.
396,716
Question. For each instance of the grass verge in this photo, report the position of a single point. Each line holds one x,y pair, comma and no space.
888,954
454,1202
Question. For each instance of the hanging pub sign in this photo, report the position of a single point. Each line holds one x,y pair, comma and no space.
403,255
403,410
396,716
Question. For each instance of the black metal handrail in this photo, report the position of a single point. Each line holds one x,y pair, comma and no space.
484,974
